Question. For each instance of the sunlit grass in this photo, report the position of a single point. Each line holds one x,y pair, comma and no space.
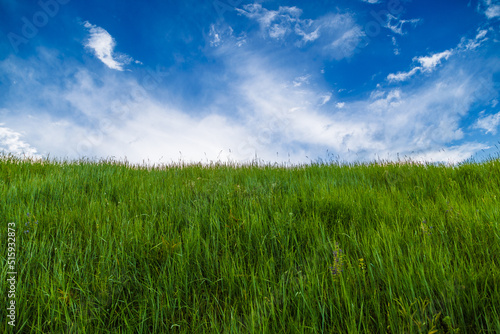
107,247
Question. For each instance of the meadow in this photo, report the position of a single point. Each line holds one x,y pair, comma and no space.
109,247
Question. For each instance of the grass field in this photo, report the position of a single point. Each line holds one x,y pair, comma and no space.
102,247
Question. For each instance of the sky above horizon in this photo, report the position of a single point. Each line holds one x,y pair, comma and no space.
232,80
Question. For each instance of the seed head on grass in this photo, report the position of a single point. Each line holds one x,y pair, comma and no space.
338,261
362,266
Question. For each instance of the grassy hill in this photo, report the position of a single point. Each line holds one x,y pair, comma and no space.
105,247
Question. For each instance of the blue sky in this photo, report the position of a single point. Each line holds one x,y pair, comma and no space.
200,81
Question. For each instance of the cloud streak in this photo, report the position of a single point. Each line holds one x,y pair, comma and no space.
396,25
488,123
102,44
428,64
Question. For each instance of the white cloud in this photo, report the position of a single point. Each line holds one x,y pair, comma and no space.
371,1
276,23
396,25
481,34
278,31
427,64
302,27
215,38
402,76
488,123
452,155
472,44
102,45
492,9
219,33
11,142
340,105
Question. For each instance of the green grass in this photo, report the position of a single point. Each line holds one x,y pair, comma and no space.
324,248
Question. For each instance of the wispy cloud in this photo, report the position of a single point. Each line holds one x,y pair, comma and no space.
274,23
307,30
488,123
299,81
397,51
102,45
342,35
338,34
396,25
472,44
452,154
325,98
491,8
219,33
427,65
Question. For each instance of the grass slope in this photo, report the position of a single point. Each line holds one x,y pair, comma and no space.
107,248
